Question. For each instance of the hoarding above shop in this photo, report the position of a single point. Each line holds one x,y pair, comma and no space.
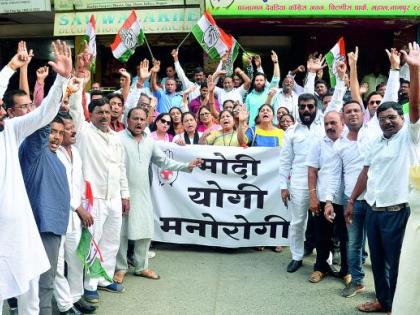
108,22
64,5
314,8
16,6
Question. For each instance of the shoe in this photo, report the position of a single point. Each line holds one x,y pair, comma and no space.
352,289
91,296
84,307
317,276
294,265
151,254
71,311
113,287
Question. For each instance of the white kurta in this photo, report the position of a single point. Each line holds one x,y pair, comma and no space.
137,159
22,255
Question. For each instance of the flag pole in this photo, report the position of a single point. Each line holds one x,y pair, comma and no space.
183,41
240,46
148,47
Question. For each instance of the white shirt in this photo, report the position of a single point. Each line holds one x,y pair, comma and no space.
389,161
288,101
296,145
76,182
236,94
319,157
102,154
186,83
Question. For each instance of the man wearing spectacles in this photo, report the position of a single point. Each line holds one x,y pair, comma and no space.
17,103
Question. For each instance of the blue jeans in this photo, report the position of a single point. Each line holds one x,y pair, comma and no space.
356,241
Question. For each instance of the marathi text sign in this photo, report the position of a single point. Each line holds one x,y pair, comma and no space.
63,5
15,6
232,201
314,8
108,22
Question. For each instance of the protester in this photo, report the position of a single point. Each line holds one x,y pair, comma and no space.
227,136
206,121
190,134
139,224
103,166
22,248
286,121
319,164
176,116
160,128
116,102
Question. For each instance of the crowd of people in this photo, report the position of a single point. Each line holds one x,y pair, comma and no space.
347,155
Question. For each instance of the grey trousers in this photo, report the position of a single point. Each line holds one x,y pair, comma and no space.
141,251
46,280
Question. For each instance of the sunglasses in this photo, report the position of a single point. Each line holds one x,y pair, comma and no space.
308,106
164,121
375,102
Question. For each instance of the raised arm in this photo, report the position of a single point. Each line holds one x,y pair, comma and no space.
354,81
247,81
336,103
75,102
41,75
413,61
243,118
393,83
127,82
181,74
211,100
23,73
313,65
276,67
43,115
153,77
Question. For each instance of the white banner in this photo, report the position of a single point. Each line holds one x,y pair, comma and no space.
232,201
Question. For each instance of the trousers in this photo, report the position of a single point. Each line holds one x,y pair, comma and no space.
46,280
68,290
299,205
107,216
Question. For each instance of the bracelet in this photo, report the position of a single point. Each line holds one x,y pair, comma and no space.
313,189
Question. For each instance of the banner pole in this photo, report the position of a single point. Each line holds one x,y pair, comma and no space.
183,41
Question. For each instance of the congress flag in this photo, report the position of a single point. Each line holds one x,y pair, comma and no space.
337,53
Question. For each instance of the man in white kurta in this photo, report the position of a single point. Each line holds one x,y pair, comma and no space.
22,254
104,168
140,150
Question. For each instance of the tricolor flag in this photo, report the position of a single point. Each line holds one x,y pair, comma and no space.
129,36
337,53
87,250
233,53
90,38
213,39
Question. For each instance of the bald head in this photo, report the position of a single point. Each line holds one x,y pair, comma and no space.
333,125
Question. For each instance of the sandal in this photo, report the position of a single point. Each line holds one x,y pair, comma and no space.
370,307
317,276
149,274
119,276
278,249
259,248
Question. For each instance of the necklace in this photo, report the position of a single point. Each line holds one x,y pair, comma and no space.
230,141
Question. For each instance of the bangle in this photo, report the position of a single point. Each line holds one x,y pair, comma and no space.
275,62
396,69
313,189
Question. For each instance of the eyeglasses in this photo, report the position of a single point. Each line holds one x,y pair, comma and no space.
308,106
142,104
375,102
164,121
204,114
389,117
23,106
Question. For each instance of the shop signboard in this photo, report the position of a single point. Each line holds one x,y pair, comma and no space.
314,8
108,22
16,6
64,5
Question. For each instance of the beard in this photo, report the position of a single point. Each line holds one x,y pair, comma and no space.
307,118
